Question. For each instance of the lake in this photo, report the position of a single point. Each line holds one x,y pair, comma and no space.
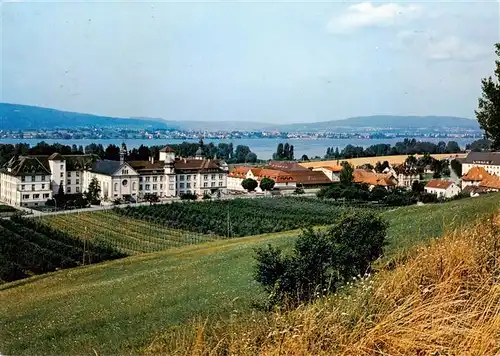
263,147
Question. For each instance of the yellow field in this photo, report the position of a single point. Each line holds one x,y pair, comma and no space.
373,160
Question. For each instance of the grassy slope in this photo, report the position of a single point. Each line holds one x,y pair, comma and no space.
116,307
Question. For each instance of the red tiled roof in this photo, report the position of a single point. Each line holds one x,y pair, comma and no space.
309,177
335,169
439,184
276,175
371,178
476,174
492,182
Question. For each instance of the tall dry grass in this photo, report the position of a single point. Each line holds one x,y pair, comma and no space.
442,300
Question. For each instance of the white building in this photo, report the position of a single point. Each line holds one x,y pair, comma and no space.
332,172
490,161
282,180
442,188
25,181
32,180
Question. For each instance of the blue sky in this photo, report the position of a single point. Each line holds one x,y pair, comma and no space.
248,61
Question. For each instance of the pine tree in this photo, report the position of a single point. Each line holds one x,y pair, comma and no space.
488,112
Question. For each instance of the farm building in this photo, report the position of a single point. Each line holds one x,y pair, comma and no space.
442,188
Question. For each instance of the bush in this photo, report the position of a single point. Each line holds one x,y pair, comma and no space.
188,196
322,260
299,191
206,196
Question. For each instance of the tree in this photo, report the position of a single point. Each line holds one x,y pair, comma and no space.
304,158
456,166
452,147
380,167
93,191
267,184
479,145
251,157
488,112
249,184
417,187
346,174
378,193
241,153
322,260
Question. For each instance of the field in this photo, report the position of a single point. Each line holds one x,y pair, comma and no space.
28,248
118,307
373,160
128,235
239,217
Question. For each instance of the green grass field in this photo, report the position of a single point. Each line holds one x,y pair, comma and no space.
118,307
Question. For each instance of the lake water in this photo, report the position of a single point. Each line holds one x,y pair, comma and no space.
263,147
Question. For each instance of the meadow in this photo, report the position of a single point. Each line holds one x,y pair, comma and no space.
119,307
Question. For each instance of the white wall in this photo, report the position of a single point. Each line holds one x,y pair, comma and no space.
491,169
450,192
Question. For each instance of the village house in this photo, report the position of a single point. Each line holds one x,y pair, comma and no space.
282,181
32,180
442,188
405,176
372,179
332,172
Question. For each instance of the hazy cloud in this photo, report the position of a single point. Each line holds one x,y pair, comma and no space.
369,15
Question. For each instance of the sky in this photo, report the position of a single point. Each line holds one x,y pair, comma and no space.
274,62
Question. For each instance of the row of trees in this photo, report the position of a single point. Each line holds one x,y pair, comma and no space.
284,152
408,146
266,184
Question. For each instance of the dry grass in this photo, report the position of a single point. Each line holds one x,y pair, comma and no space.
373,160
443,299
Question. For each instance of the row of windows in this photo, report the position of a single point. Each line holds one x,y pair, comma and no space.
23,187
77,190
36,196
33,179
205,185
155,179
205,177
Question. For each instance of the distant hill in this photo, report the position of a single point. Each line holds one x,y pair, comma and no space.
384,121
24,117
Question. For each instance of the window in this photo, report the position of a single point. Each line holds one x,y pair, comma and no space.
69,174
133,186
26,196
140,179
77,181
181,185
188,185
43,186
188,177
61,175
147,179
78,189
205,184
213,176
46,196
155,179
78,174
221,176
32,187
22,187
220,184
61,167
116,187
68,181
124,182
212,184
68,190
155,187
23,179
194,185
161,186
181,177
171,187
33,178
125,171
43,178
205,177
171,178
147,186
161,178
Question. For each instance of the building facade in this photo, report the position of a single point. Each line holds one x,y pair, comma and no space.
32,180
490,161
